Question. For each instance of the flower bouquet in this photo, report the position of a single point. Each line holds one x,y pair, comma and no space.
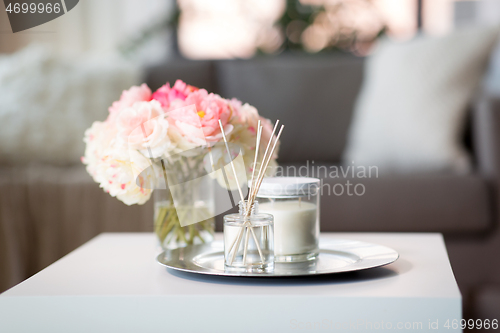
169,142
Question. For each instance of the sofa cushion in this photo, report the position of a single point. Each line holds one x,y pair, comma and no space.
48,101
312,96
448,204
411,113
412,203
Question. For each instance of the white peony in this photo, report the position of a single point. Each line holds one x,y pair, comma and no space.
118,170
218,166
98,138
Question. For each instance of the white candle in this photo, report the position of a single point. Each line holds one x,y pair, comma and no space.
296,229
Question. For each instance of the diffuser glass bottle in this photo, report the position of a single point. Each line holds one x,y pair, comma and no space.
249,240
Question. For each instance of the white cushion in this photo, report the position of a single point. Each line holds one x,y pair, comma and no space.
411,111
47,102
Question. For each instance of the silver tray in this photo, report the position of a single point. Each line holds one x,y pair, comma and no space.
336,256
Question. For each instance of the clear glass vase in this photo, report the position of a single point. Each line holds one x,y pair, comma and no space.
184,211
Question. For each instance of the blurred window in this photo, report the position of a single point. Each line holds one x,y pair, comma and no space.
240,28
228,28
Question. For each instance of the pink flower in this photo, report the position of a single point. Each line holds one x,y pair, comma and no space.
142,126
131,118
248,116
267,130
245,114
210,108
168,96
187,121
128,98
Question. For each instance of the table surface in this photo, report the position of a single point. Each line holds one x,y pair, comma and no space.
114,284
124,264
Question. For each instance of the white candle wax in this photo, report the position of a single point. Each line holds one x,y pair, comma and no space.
295,227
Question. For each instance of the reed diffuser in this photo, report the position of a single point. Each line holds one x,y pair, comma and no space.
248,236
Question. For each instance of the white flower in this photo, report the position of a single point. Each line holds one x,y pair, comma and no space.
218,166
129,176
123,173
98,139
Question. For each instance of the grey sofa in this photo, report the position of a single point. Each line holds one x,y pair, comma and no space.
46,212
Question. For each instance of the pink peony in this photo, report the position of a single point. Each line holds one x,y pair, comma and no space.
248,116
267,130
128,98
131,118
168,96
245,114
187,121
210,108
151,138
173,120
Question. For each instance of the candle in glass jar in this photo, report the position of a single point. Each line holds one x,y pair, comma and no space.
294,203
296,229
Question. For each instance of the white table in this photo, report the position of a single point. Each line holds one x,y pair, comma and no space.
113,284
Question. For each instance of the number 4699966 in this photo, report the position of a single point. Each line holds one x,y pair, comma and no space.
472,324
32,8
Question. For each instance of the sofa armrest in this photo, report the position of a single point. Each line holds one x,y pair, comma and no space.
47,211
486,141
486,137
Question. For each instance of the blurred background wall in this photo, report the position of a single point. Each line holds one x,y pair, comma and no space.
96,26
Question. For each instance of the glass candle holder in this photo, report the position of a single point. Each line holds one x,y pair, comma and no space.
294,203
248,240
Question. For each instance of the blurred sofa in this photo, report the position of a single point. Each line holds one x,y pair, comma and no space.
47,211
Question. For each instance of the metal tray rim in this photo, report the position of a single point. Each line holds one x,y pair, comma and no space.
369,256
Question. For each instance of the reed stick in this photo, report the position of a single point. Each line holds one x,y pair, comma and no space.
246,246
252,199
252,185
238,241
240,235
254,190
231,162
263,158
257,144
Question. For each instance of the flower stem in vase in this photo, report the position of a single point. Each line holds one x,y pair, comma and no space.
170,232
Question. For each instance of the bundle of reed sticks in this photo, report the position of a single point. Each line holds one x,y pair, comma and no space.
254,188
